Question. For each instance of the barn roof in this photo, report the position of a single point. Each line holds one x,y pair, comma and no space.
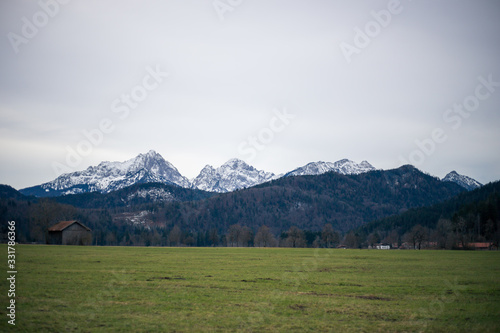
64,224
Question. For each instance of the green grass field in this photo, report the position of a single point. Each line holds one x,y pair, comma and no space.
118,289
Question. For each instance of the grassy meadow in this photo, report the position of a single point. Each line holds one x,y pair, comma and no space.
119,289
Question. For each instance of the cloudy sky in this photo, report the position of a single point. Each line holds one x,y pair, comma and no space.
277,83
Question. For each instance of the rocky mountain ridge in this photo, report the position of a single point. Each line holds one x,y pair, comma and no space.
233,175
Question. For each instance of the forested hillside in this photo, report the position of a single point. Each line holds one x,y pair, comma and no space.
147,214
310,202
469,217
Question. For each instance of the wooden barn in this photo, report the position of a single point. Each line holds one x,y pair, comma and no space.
69,233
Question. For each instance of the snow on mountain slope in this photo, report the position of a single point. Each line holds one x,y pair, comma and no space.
466,182
112,176
345,167
153,194
233,175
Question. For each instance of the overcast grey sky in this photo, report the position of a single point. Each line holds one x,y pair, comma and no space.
278,83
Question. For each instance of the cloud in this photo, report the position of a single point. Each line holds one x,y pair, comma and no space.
226,77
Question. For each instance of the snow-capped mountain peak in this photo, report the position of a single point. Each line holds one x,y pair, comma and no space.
233,175
112,176
344,166
466,182
235,163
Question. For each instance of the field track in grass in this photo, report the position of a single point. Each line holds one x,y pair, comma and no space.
141,289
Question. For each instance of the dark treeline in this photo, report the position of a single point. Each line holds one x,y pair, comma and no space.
474,222
289,212
33,217
467,218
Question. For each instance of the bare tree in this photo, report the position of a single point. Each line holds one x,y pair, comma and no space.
213,237
392,238
296,237
189,240
373,239
110,238
461,231
417,235
174,237
233,235
245,236
156,239
443,234
351,240
328,236
264,237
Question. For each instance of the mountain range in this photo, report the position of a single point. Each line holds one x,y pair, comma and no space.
308,202
232,175
133,215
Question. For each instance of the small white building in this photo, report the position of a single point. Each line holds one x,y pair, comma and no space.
383,246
